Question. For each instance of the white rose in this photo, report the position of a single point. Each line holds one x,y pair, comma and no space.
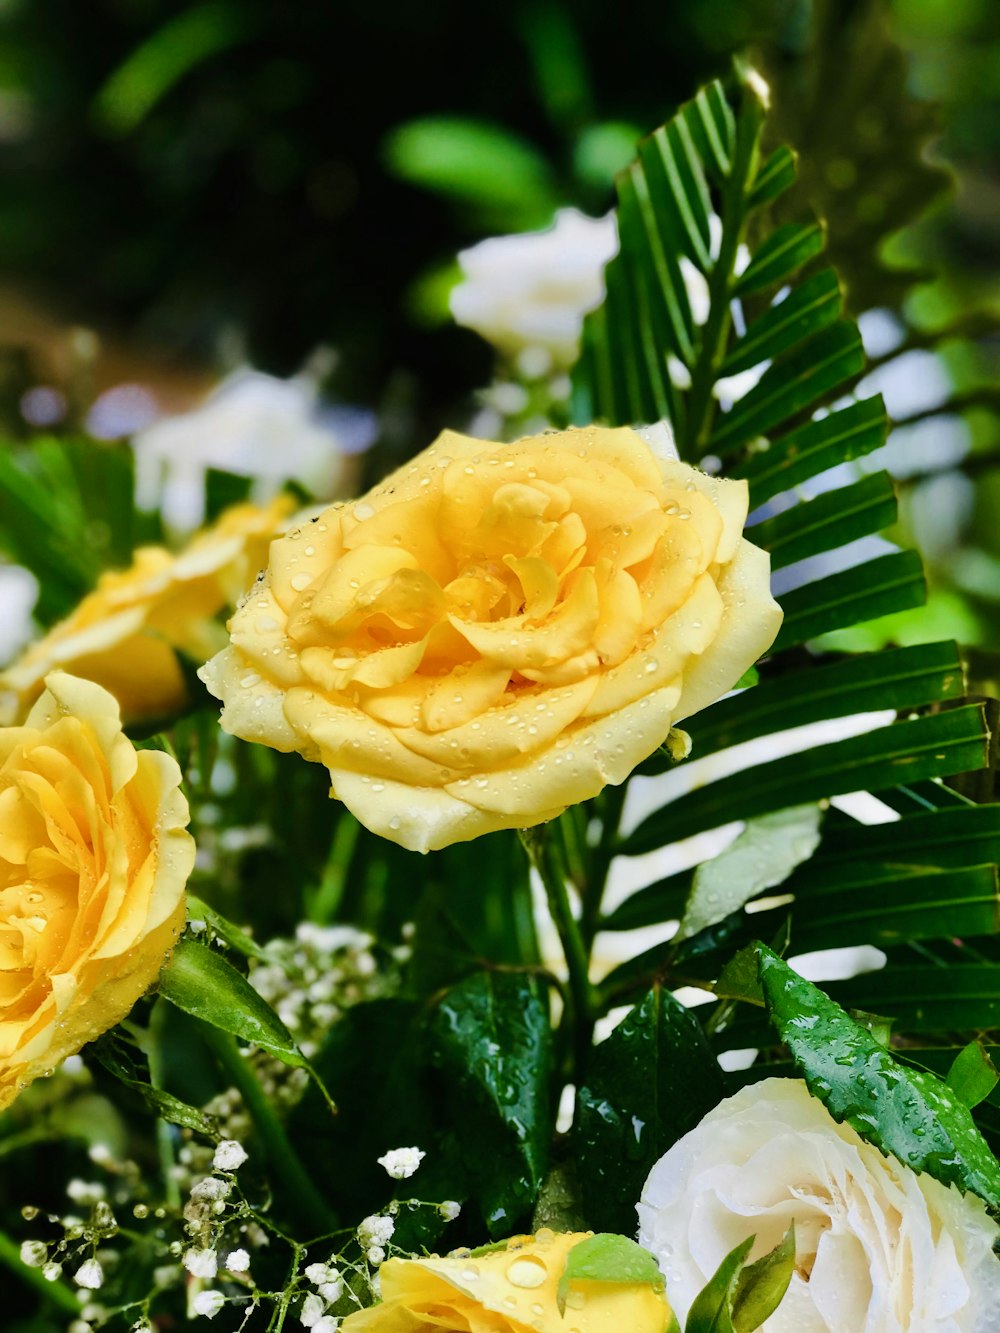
533,289
252,425
879,1248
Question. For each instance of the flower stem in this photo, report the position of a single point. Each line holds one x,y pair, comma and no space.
287,1171
57,1292
578,1019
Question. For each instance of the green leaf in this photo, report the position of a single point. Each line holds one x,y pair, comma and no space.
889,583
476,162
645,1086
912,1115
788,460
932,746
760,1286
799,380
112,1055
810,307
492,1042
203,984
774,177
227,931
842,903
829,521
920,998
955,836
973,1075
710,1310
608,1257
763,855
781,255
899,678
156,65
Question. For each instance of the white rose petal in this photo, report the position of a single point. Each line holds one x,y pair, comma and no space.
401,1163
533,289
879,1248
252,425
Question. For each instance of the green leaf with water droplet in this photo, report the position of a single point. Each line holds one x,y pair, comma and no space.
760,1286
973,1075
491,1039
649,1083
908,1113
764,854
202,983
607,1257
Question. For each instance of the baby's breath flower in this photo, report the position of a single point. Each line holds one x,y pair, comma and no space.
328,1324
208,1303
34,1253
401,1163
376,1230
238,1261
79,1326
449,1210
312,1310
89,1275
229,1156
376,1255
331,1291
319,1273
85,1191
52,1272
201,1263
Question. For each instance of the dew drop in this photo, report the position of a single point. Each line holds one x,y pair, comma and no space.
527,1272
300,581
363,511
251,678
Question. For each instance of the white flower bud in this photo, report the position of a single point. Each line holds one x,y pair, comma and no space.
238,1261
376,1255
208,1303
312,1310
201,1263
34,1253
401,1163
229,1156
89,1275
449,1210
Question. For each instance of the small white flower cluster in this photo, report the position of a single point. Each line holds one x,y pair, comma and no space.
203,1216
310,980
401,1163
374,1235
80,1238
329,1289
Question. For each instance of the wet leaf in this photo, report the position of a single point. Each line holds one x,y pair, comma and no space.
201,982
973,1075
650,1082
909,1113
491,1039
607,1257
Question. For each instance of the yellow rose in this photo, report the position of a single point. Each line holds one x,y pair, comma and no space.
497,631
512,1290
126,634
94,856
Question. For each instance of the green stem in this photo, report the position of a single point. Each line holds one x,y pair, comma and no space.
324,902
701,404
612,802
57,1292
288,1176
578,1021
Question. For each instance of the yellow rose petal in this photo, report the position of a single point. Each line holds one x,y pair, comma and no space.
498,630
